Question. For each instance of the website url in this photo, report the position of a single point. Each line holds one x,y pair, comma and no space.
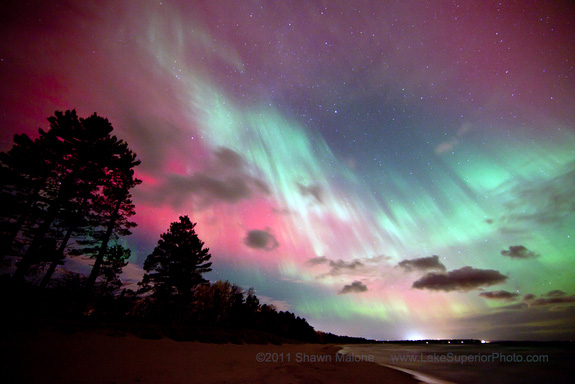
450,357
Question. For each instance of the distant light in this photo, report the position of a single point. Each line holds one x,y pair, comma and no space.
415,336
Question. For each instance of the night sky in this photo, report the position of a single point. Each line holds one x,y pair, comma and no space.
387,169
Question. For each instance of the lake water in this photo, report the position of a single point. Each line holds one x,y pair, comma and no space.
475,363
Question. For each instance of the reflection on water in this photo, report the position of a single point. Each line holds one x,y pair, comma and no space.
479,363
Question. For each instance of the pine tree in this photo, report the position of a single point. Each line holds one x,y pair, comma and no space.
54,178
115,260
23,174
174,270
112,206
73,180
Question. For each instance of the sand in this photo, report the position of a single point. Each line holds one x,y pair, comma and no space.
98,357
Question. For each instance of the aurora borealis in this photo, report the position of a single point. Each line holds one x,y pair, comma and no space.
386,169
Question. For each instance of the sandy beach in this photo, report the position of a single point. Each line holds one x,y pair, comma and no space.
47,356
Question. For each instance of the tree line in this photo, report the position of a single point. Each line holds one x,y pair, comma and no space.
67,193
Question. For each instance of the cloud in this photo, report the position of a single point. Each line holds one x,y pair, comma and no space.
446,146
318,260
259,239
342,264
555,293
229,159
226,178
449,145
422,264
550,298
315,191
144,133
463,279
355,287
553,300
499,295
540,201
339,267
519,252
363,266
230,189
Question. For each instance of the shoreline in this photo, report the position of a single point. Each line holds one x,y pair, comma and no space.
422,378
47,356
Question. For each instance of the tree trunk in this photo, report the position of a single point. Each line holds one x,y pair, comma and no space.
101,253
27,260
59,256
7,246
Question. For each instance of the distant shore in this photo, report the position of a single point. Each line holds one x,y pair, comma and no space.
99,356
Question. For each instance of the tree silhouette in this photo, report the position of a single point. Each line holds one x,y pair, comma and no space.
174,270
219,303
23,173
65,160
73,180
115,260
113,206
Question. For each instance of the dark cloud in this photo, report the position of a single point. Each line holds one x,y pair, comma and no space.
230,189
335,264
225,179
343,267
499,295
555,293
550,298
529,297
355,287
553,300
150,142
342,264
422,264
259,239
313,190
519,252
339,267
463,279
228,159
541,202
318,260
